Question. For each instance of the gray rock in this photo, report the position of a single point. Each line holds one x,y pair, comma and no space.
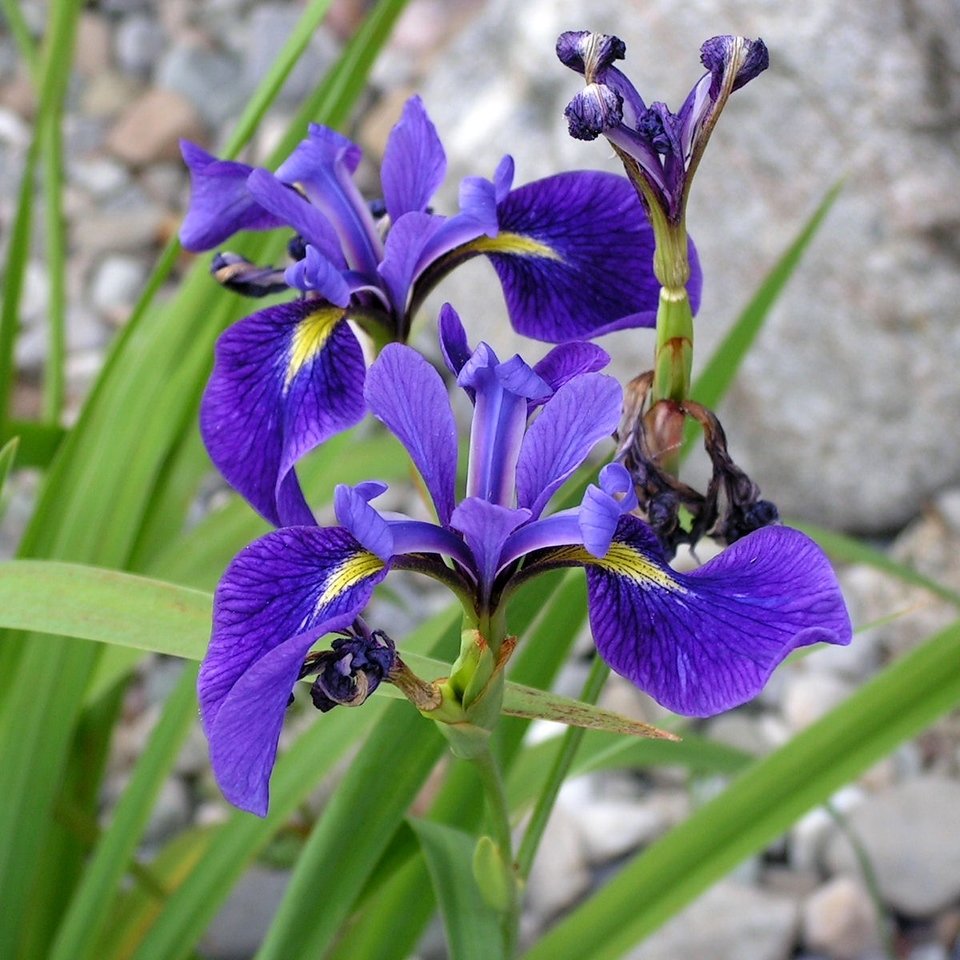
612,828
852,89
560,874
121,229
239,928
810,834
139,41
92,48
911,833
116,284
101,177
211,81
840,920
267,29
810,695
729,922
151,128
170,814
13,131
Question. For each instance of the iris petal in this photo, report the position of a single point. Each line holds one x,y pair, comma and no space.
323,166
277,597
575,258
220,203
414,163
407,394
289,207
285,379
580,414
704,642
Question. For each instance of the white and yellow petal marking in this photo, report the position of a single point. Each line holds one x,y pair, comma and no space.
515,243
309,337
352,571
625,561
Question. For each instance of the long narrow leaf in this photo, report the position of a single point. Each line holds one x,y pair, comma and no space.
472,927
85,917
762,803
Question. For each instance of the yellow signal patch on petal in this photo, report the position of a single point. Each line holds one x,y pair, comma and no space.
624,560
516,243
309,338
352,571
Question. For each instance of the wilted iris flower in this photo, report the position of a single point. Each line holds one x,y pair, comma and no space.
660,149
698,642
573,253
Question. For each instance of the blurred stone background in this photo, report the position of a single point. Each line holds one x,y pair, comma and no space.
846,411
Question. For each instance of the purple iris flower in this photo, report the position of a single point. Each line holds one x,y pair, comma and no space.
699,642
661,149
573,253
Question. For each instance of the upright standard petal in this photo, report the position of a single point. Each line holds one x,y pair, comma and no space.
578,416
285,379
407,394
276,599
322,166
289,207
575,257
703,642
220,203
414,163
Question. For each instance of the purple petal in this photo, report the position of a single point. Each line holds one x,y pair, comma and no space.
407,394
220,203
575,257
581,414
354,513
569,360
402,258
748,57
316,273
594,110
323,166
580,49
602,507
704,642
501,392
453,340
485,527
478,200
285,379
277,597
288,206
503,178
414,163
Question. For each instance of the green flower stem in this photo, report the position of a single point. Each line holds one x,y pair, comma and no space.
498,817
558,772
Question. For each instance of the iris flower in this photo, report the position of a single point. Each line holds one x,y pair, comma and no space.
573,253
698,642
660,149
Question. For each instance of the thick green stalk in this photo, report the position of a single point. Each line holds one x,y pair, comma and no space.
498,817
